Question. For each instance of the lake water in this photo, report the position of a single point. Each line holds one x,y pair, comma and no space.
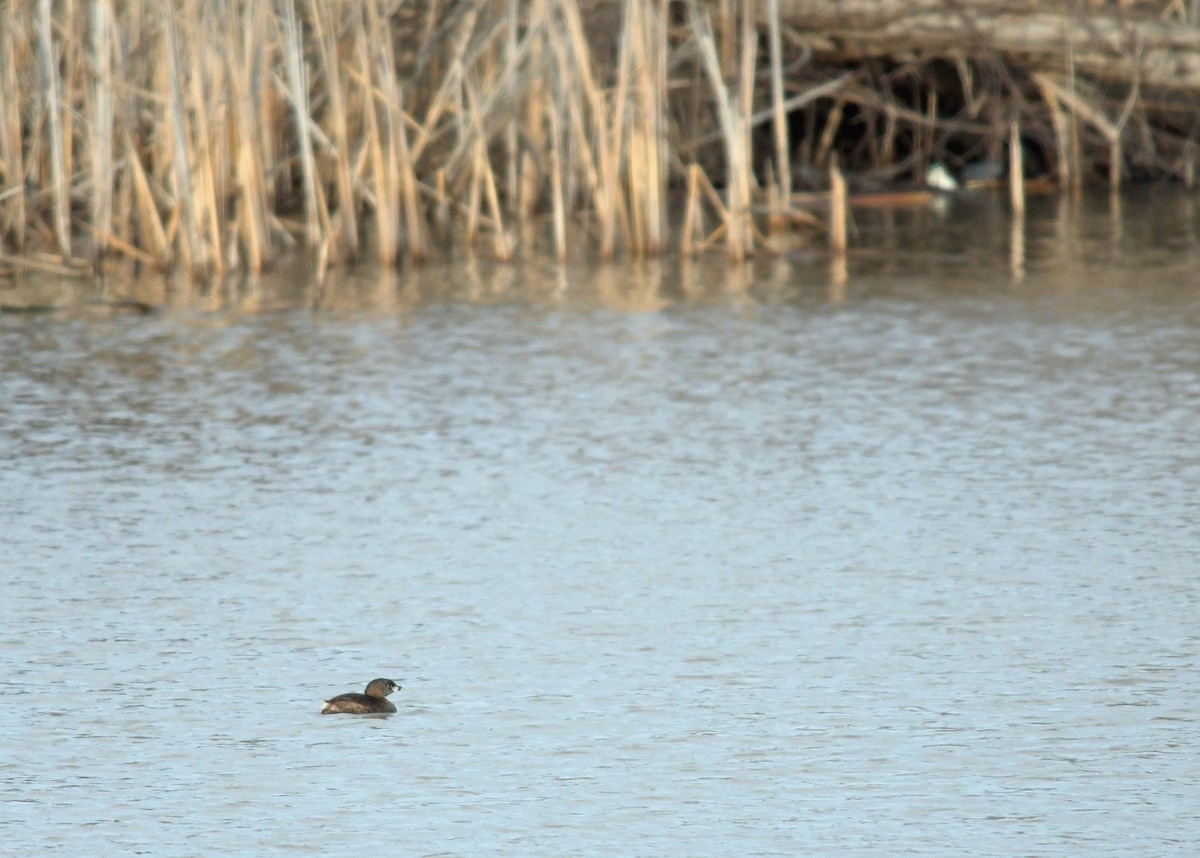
669,559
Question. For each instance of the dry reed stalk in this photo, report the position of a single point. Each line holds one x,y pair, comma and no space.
838,212
1016,171
575,94
413,216
832,122
209,143
51,94
447,96
1116,147
474,201
297,76
647,137
398,176
691,213
887,154
602,146
1094,116
1016,256
42,262
557,204
1074,135
1058,121
796,102
718,205
246,73
346,244
150,226
778,218
728,16
512,141
611,142
575,168
386,197
533,128
14,205
734,123
742,156
126,248
717,234
687,246
73,55
461,125
101,125
632,71
503,94
502,243
195,255
126,108
925,147
779,114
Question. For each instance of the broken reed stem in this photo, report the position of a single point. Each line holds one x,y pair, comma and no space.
557,203
1016,171
838,210
833,123
691,213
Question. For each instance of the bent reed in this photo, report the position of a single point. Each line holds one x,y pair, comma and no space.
211,136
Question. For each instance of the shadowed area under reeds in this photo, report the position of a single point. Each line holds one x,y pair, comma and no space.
215,137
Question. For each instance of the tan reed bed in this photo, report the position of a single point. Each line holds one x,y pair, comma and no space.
212,136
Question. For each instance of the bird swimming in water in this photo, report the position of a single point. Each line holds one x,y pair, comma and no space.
373,702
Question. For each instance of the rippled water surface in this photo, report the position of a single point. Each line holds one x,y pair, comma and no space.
692,562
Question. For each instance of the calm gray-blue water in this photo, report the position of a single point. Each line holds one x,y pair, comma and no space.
668,559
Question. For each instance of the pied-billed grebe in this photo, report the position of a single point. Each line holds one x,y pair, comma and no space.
374,702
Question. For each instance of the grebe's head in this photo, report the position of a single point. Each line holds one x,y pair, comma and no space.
381,688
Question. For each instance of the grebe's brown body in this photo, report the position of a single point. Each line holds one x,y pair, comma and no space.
373,702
